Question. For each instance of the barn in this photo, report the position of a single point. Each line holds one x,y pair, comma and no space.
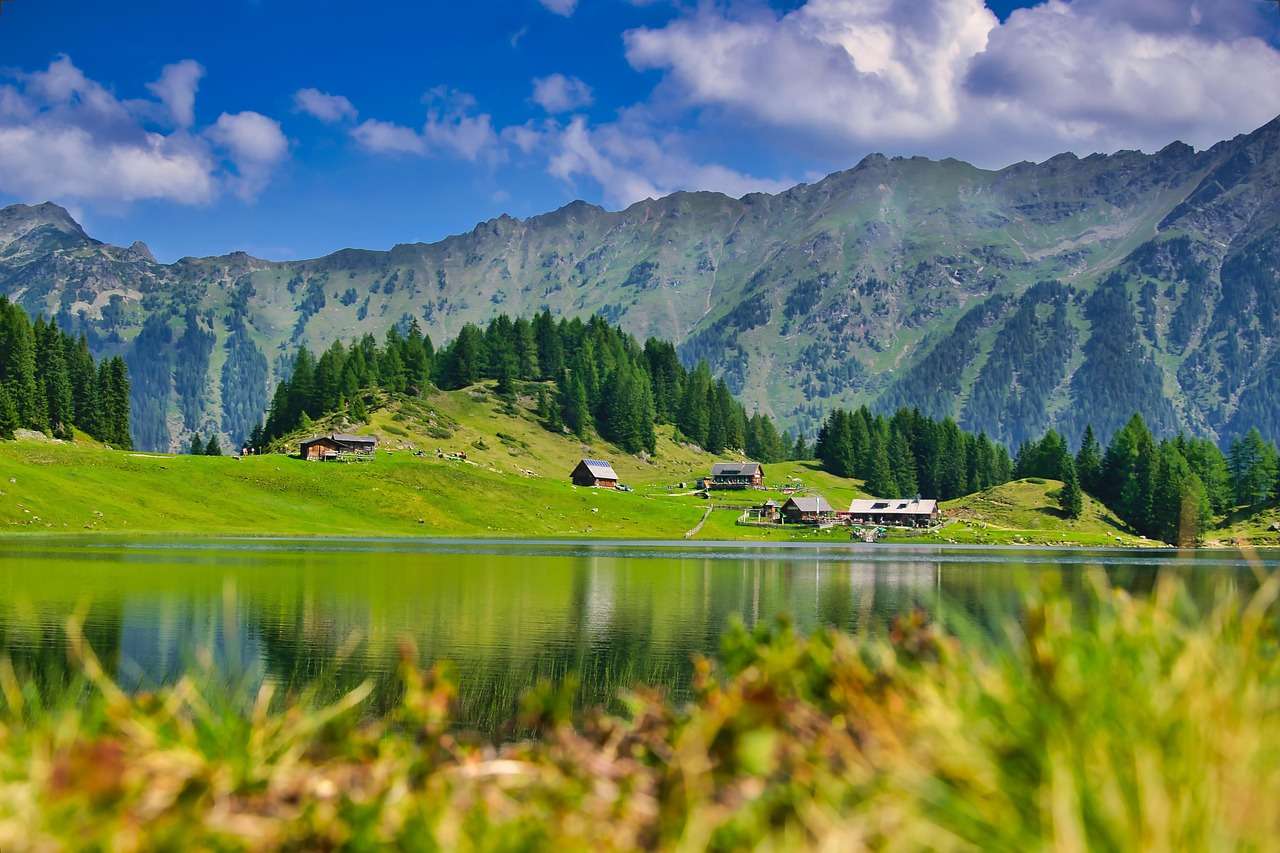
337,447
595,473
808,510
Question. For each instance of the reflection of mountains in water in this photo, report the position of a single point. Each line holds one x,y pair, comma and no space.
506,618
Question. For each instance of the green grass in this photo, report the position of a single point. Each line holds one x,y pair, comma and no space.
1094,722
1026,512
514,483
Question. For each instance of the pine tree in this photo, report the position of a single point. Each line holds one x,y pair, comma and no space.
1070,497
8,414
1089,462
880,480
902,464
574,407
198,446
695,418
357,410
213,448
257,439
801,450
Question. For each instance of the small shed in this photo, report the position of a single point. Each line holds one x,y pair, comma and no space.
770,510
595,473
900,512
337,447
736,475
808,510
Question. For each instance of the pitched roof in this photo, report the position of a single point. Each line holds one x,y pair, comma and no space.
600,469
734,469
817,503
340,438
895,506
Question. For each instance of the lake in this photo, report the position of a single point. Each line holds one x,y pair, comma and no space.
330,613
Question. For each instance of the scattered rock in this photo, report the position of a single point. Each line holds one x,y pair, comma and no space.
34,435
422,521
1275,527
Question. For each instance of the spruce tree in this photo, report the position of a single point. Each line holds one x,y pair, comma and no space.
802,450
8,414
197,447
880,482
1071,498
1089,462
902,464
213,448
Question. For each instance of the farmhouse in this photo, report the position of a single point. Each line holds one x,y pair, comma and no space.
336,447
736,475
595,473
810,510
900,512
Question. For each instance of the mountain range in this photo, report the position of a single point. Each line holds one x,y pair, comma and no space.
1060,294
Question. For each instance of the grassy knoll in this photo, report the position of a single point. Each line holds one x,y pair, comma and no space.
1253,527
1026,512
1113,723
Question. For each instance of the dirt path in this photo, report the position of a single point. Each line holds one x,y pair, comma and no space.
694,532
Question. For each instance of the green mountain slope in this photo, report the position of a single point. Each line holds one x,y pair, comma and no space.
1056,294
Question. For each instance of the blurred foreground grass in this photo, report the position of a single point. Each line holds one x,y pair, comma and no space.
1110,724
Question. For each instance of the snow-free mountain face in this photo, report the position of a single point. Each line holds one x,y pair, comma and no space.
1059,294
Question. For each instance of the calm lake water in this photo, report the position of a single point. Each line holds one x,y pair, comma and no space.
302,613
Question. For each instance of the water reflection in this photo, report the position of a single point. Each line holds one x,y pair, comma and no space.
301,613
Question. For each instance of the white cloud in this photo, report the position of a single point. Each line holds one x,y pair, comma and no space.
630,163
329,109
383,137
945,76
256,145
452,127
176,89
64,136
560,7
560,94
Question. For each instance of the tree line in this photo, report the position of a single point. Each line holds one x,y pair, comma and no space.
910,454
49,382
591,377
1168,490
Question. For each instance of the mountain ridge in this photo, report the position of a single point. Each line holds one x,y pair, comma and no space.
900,281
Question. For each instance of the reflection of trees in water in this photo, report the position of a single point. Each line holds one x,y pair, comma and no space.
36,644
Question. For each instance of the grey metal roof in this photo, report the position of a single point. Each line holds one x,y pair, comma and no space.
894,506
817,503
600,469
340,438
732,469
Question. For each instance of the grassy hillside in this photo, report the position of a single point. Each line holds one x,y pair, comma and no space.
1026,511
513,483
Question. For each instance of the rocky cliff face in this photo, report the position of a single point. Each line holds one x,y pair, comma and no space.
1057,294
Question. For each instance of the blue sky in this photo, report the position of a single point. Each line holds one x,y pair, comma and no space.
291,129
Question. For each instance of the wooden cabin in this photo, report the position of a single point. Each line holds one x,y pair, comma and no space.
595,473
808,510
336,447
899,512
736,475
770,511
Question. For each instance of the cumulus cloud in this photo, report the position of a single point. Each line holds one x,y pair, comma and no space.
560,94
329,109
176,89
256,145
452,127
630,162
946,76
65,136
560,7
